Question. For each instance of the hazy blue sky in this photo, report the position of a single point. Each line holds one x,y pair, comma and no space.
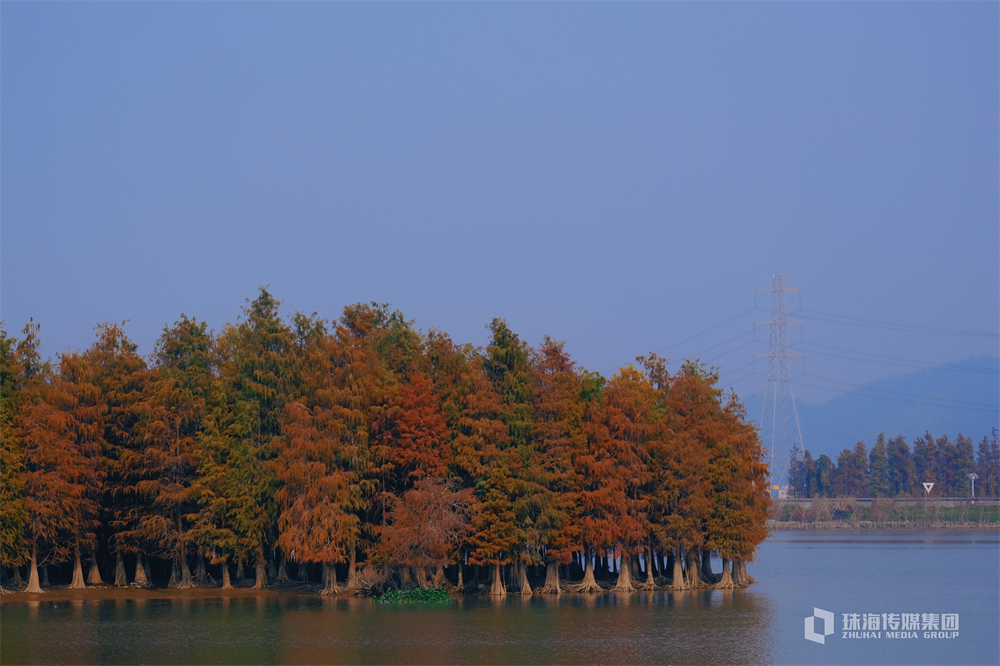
618,176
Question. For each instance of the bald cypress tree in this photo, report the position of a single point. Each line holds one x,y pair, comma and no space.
22,373
242,429
560,438
122,378
64,440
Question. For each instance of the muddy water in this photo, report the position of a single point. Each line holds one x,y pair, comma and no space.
946,573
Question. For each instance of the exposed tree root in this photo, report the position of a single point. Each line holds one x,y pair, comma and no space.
693,580
77,583
497,588
588,585
551,580
726,582
520,583
740,576
330,580
624,583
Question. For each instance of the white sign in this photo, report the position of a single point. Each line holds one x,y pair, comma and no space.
928,486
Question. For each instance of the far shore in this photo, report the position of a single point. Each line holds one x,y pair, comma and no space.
869,526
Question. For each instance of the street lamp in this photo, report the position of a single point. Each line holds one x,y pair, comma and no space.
973,476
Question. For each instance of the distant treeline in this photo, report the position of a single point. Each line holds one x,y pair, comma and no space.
365,446
892,469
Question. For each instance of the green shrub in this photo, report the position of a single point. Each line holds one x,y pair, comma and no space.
434,595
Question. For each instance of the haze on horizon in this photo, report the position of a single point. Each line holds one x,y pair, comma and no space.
623,177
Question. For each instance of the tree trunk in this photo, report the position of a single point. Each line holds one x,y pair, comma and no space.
77,582
420,574
461,577
678,582
440,580
352,572
18,581
624,583
283,570
261,567
303,573
706,568
227,584
496,587
43,572
551,580
330,580
186,580
33,585
121,580
141,580
692,565
740,576
588,584
240,573
522,580
146,570
94,577
726,583
650,583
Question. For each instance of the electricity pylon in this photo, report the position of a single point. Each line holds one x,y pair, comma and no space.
779,420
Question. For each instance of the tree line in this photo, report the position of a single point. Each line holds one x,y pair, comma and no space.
361,448
893,469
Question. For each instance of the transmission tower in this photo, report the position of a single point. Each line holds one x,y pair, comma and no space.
779,420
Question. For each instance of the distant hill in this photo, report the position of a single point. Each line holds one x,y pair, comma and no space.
843,421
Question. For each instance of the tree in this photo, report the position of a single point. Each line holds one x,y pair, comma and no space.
162,469
560,439
64,439
122,377
878,478
925,458
988,466
22,373
902,472
242,429
425,526
506,365
852,472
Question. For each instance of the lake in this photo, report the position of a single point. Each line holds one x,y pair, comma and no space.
952,578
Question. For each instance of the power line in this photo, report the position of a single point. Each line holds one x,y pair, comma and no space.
711,328
832,318
874,392
895,360
921,403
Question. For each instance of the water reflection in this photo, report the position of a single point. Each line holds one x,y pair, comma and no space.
707,627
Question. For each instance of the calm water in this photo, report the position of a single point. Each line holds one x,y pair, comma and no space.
939,573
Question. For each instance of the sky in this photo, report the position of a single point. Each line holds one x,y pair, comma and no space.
623,177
